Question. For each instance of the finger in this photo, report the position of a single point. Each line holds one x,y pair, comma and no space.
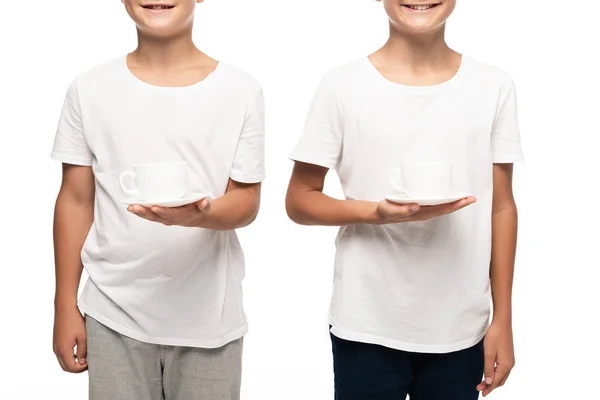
175,214
488,367
142,212
466,201
459,204
498,377
448,208
481,386
82,349
166,213
203,205
404,210
413,208
67,360
80,368
503,381
60,361
147,214
70,363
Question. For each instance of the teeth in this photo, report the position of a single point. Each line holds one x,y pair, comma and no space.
158,7
420,7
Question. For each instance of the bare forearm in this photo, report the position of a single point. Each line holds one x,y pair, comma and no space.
72,223
316,208
235,209
504,243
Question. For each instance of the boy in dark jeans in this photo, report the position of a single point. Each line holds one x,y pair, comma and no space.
413,282
163,308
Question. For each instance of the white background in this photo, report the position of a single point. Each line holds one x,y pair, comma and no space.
550,47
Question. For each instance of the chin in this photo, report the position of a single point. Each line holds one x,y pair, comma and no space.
419,21
162,28
159,29
420,29
163,22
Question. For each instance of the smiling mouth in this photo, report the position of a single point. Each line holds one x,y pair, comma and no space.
158,7
420,7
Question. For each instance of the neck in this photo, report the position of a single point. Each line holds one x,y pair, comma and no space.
417,50
165,52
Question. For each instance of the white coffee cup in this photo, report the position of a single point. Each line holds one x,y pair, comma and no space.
423,179
159,181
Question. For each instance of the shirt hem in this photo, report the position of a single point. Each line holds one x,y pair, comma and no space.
247,178
205,344
311,160
403,346
71,160
507,159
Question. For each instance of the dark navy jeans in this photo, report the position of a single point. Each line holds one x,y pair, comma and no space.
371,372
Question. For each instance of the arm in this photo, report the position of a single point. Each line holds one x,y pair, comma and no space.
504,243
237,208
499,349
73,217
306,204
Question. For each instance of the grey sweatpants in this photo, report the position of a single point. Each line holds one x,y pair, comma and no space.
121,368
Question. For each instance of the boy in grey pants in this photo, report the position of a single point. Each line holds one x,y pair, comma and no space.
163,308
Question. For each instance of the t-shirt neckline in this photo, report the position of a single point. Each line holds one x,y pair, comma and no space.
419,89
137,81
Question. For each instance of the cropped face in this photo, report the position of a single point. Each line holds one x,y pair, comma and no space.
161,17
418,16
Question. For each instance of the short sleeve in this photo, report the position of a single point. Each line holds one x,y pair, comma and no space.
249,160
69,143
506,139
321,141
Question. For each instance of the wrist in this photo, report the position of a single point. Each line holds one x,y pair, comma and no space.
65,303
204,217
502,318
198,222
371,214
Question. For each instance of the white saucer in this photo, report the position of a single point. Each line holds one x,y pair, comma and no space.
431,201
188,199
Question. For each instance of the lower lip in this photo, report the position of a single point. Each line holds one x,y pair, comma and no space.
420,11
158,11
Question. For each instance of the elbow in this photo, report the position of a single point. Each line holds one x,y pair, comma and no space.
69,199
250,218
294,213
506,208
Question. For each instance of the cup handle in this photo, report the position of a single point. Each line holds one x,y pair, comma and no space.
124,175
398,189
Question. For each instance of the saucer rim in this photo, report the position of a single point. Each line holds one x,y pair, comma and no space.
457,196
197,196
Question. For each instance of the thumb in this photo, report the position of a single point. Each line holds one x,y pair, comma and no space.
203,205
488,368
406,210
413,208
82,349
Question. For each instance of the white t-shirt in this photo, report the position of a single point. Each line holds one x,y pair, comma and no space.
158,284
418,286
